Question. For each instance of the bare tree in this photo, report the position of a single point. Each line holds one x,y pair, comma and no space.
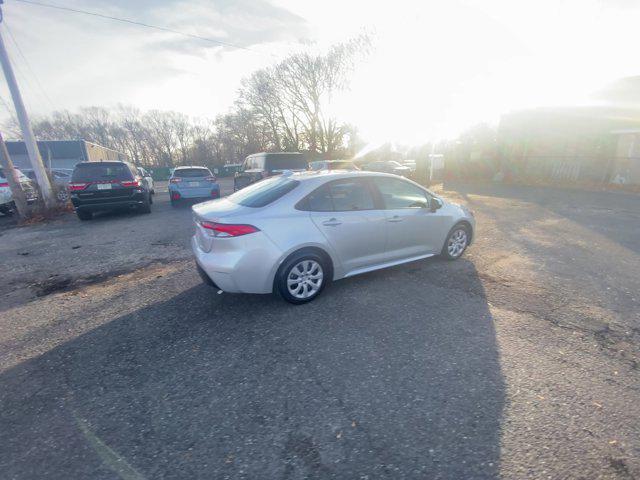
283,107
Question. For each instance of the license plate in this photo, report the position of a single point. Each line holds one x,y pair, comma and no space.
194,184
104,186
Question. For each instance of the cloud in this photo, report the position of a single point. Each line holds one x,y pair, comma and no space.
85,60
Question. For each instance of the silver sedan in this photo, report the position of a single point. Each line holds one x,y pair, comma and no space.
294,233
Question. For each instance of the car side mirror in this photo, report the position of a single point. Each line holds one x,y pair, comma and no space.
436,203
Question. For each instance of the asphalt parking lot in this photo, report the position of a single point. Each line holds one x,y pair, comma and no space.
519,360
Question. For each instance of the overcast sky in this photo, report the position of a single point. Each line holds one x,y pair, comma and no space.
436,68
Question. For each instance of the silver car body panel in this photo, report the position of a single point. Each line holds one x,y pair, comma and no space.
355,241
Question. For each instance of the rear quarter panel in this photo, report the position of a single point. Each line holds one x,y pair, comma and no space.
291,231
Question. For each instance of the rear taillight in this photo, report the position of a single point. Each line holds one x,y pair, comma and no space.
175,196
130,183
175,180
228,229
74,187
4,184
210,179
215,193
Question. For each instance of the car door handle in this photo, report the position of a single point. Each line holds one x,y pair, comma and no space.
332,223
395,219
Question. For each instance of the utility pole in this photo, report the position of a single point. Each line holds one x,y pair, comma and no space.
25,126
19,198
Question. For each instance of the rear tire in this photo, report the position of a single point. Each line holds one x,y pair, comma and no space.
8,211
146,205
302,277
84,215
456,242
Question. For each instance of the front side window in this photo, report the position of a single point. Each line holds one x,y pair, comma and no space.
398,193
349,194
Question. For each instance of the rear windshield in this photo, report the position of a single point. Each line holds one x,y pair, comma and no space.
192,172
286,162
261,194
89,172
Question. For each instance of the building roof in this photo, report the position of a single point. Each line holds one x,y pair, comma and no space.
50,148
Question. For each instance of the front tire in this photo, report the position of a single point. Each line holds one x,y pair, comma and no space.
302,278
83,215
456,243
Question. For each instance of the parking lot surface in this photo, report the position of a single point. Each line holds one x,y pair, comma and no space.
519,360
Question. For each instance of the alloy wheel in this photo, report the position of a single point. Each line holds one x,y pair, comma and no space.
457,242
305,279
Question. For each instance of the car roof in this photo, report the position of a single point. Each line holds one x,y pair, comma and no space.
103,162
183,167
336,174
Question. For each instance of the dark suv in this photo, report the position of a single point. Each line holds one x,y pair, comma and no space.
262,165
100,186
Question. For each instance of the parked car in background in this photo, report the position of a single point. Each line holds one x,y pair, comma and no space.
332,165
147,179
113,185
7,205
294,233
388,166
262,165
411,164
60,176
192,183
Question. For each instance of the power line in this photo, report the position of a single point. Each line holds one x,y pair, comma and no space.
18,72
140,24
35,76
8,109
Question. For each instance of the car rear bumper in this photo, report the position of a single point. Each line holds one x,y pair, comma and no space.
200,192
247,271
103,206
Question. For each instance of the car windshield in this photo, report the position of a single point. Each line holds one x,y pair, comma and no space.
87,172
192,172
263,193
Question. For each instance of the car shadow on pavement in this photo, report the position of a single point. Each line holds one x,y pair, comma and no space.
387,375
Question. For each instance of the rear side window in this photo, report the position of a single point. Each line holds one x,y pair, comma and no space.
349,194
89,172
319,200
261,194
285,162
192,172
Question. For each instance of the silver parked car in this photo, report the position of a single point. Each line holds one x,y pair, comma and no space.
292,234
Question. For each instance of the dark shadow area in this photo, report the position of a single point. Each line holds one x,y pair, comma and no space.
187,203
8,221
118,213
384,376
614,215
